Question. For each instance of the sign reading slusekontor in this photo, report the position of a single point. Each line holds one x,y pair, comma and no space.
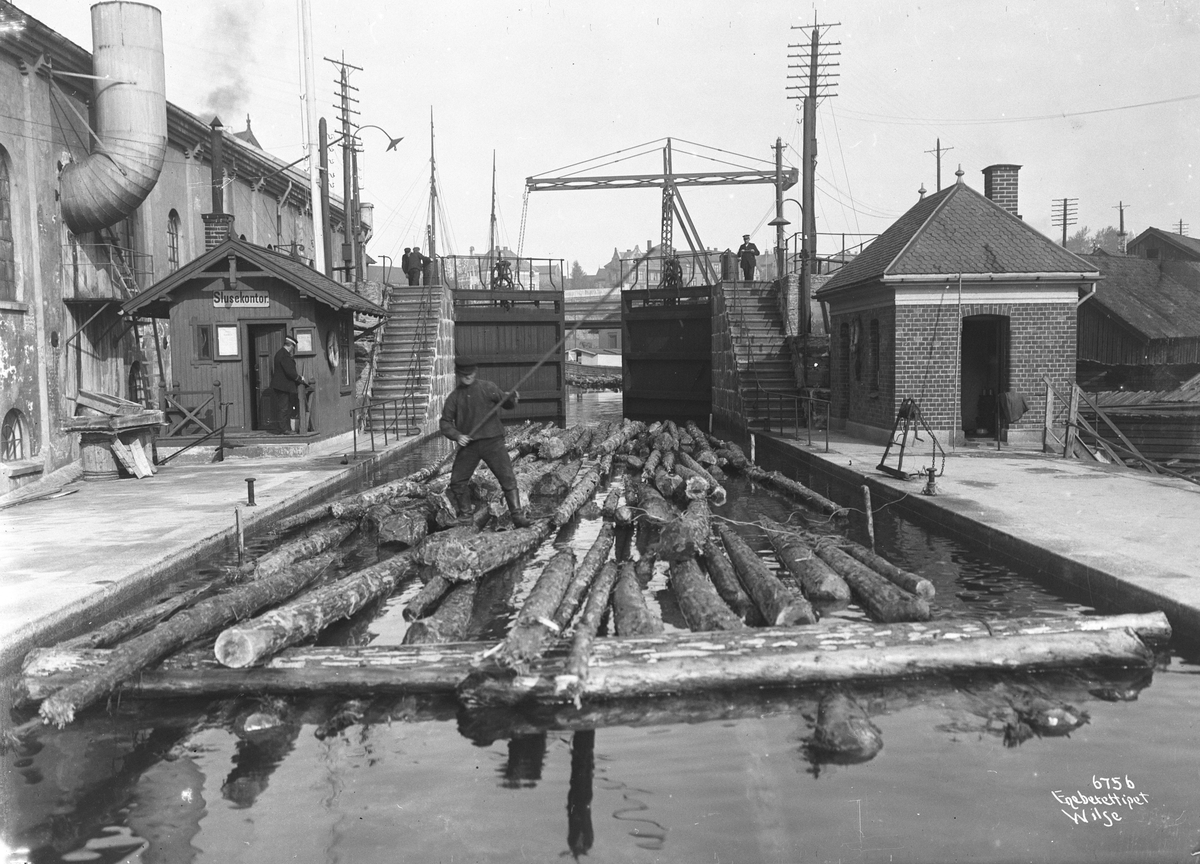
241,300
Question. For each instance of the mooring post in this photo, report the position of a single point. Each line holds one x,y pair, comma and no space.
250,492
241,533
751,446
866,490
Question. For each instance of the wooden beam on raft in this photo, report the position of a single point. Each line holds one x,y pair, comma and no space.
779,606
252,641
797,490
461,557
869,651
631,616
585,573
883,601
817,579
299,549
534,626
725,580
449,623
701,605
910,582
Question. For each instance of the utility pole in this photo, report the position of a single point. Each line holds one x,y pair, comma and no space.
1183,228
1064,214
938,151
1121,205
818,83
779,221
326,240
432,195
350,250
310,109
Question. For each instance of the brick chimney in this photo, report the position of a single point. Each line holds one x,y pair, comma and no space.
218,225
1000,185
217,228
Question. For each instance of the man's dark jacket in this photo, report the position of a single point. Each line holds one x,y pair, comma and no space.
467,406
748,254
284,376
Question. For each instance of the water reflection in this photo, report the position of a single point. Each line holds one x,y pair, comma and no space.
580,834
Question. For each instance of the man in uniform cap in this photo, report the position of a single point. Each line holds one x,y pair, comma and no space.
470,419
284,380
748,257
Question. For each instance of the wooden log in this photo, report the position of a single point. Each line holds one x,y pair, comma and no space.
725,580
299,549
779,607
817,579
629,430
651,506
701,605
449,622
844,733
860,650
302,519
797,490
667,484
682,538
664,441
252,641
141,620
715,490
406,527
464,557
644,567
534,625
735,458
430,593
558,447
910,582
668,461
585,573
572,683
631,616
704,452
556,482
581,492
356,505
611,502
126,660
882,600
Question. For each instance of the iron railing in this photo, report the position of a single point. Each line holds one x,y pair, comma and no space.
831,263
785,411
106,270
373,417
500,273
415,363
652,271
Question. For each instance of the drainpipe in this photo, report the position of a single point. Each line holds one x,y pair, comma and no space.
1086,296
131,119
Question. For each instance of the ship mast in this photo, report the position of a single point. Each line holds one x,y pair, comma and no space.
432,193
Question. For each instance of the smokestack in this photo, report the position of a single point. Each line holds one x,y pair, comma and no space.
131,119
218,225
1000,186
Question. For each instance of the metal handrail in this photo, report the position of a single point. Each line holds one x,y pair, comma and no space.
795,400
357,414
410,396
476,273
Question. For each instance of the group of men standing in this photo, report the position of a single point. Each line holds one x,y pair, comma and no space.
413,263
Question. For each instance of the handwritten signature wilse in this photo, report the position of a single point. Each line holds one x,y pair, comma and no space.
1080,802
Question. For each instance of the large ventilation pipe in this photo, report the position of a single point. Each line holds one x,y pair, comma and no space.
130,116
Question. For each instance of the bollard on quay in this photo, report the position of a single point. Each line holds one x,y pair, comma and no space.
250,492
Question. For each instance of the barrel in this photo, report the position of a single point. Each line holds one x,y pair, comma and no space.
96,455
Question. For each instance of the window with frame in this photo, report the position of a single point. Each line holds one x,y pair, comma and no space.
8,268
346,349
172,242
204,342
13,443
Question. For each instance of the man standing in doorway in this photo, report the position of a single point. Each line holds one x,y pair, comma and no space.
285,379
748,257
470,419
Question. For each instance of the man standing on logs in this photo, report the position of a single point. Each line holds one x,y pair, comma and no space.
470,418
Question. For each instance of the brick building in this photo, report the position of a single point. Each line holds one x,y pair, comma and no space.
956,305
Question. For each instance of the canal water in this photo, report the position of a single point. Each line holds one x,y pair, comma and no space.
725,777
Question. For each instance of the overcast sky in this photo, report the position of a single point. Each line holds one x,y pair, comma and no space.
550,83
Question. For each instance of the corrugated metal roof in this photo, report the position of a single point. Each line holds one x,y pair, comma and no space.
1158,300
957,230
1187,393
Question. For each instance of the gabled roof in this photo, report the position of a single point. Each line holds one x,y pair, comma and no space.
300,276
955,231
1157,300
1190,246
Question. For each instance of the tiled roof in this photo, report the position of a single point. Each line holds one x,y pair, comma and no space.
954,231
1160,302
301,276
1190,245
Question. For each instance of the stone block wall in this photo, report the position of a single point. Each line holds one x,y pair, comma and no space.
441,379
727,404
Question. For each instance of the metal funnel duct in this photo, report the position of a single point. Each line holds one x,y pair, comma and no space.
130,117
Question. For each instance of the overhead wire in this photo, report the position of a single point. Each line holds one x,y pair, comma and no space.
601,156
925,121
845,172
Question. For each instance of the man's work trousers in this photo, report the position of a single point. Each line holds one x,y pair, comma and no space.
493,453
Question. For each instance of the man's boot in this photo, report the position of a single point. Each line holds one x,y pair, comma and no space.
513,498
462,505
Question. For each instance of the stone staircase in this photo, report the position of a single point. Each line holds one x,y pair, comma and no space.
761,349
405,354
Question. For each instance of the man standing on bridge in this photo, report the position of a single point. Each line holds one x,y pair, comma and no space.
471,419
748,257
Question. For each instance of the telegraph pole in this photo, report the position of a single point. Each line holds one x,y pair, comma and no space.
350,251
1121,205
310,106
432,195
1064,214
1183,228
818,82
938,151
779,221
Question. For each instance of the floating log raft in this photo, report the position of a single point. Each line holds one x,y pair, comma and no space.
136,622
534,624
356,505
715,490
817,579
631,617
701,605
778,605
795,655
585,573
684,536
134,655
463,557
252,641
882,600
299,549
572,682
449,622
406,527
648,503
580,494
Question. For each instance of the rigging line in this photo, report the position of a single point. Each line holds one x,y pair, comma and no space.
867,213
727,152
613,162
885,118
601,156
866,207
845,173
60,114
555,349
713,159
825,140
